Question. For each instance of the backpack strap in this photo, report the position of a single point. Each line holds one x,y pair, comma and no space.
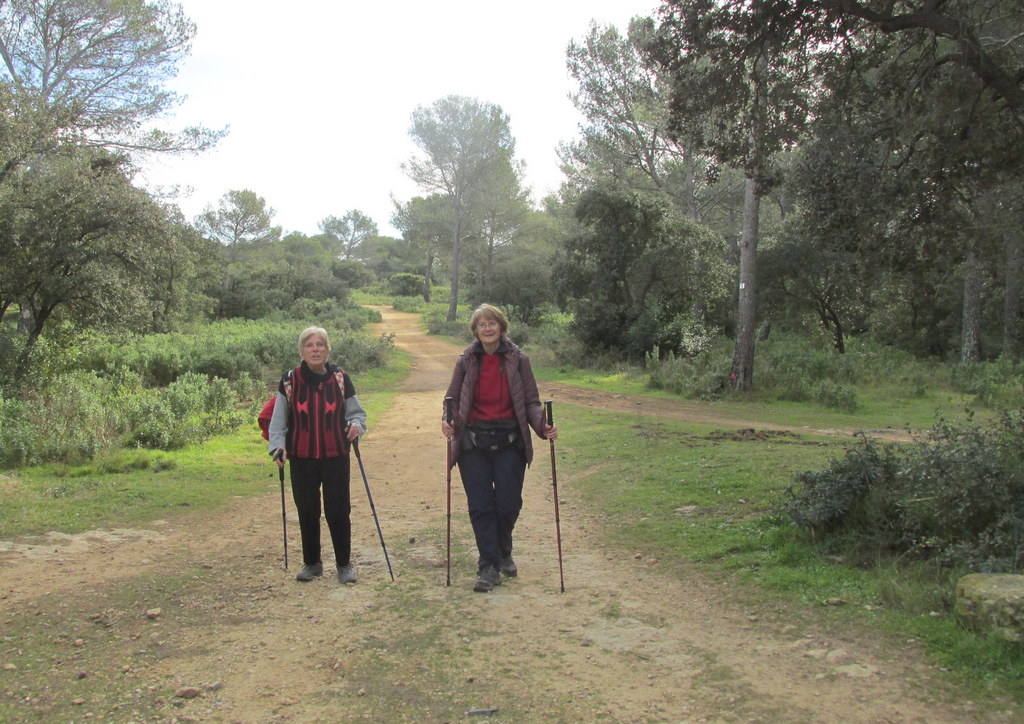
288,386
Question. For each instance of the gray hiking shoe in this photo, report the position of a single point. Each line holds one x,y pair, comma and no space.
487,579
309,572
347,574
508,567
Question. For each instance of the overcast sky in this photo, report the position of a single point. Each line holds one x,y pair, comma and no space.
317,97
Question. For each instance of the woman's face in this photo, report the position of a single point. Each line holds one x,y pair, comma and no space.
314,352
488,331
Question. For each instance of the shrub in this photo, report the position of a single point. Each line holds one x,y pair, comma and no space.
844,494
836,396
406,285
409,305
991,383
188,411
67,420
956,497
437,323
17,435
702,376
356,353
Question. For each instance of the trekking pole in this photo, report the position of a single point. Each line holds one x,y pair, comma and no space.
355,446
448,469
284,520
554,487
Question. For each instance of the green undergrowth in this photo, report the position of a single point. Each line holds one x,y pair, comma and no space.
686,494
134,487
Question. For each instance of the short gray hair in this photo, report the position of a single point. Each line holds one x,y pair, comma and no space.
309,332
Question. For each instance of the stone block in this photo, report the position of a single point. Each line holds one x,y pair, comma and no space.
992,602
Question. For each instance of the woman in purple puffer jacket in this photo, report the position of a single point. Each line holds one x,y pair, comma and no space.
496,404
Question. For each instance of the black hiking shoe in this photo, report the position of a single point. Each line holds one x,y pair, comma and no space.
487,579
508,567
309,572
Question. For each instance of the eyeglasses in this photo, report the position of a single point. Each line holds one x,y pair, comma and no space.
487,325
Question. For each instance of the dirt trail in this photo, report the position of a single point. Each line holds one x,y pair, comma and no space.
196,621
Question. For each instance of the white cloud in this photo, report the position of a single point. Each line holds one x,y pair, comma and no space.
318,97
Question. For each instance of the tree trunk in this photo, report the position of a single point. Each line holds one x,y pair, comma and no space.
489,267
427,273
970,330
741,376
1013,302
453,298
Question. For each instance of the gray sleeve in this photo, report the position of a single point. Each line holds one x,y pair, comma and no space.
278,430
354,413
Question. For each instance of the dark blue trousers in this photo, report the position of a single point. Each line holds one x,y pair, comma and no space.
493,482
308,477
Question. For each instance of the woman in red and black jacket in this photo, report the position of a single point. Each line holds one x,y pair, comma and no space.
316,416
496,405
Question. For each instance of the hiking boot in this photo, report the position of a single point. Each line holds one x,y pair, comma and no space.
508,567
347,574
487,579
309,572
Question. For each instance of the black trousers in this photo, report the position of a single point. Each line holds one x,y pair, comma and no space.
332,475
493,482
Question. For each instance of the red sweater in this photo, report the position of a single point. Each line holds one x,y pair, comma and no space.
492,399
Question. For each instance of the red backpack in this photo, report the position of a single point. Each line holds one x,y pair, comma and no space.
263,419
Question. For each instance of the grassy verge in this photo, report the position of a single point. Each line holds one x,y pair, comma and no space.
685,494
878,409
137,486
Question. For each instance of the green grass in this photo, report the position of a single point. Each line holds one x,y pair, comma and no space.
878,407
134,487
687,495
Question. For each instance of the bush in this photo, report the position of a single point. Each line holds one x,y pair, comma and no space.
702,376
356,353
406,285
68,420
17,435
836,396
437,323
189,411
991,383
956,498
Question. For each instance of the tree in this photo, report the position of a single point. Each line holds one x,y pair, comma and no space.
466,145
913,126
625,101
179,264
241,217
981,36
627,275
79,236
426,224
1013,301
503,208
741,84
349,231
99,66
386,255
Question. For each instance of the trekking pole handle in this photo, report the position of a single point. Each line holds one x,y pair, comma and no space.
448,409
551,415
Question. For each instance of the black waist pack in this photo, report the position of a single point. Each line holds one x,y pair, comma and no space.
493,435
